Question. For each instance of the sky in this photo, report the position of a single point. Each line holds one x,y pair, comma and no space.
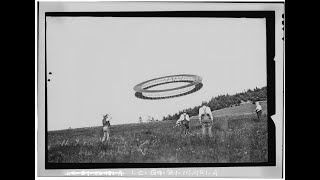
96,62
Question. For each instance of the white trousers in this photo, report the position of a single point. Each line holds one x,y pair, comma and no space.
106,133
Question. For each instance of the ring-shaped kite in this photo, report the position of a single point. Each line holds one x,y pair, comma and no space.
143,92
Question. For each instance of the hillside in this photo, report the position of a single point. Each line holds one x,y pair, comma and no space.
226,101
238,137
243,109
238,110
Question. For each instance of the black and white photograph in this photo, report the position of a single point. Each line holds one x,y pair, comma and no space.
184,87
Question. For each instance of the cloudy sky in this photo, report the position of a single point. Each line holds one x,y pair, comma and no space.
96,62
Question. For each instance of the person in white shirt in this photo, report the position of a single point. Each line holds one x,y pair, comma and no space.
258,110
106,127
205,118
184,122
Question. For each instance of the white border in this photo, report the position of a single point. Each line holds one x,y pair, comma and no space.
279,80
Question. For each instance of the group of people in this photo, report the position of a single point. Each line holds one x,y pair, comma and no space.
205,119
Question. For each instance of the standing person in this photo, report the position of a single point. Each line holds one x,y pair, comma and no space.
184,122
140,119
106,127
258,110
205,118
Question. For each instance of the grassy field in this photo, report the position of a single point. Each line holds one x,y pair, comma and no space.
238,137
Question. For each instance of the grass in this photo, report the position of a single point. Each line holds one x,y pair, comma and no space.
237,138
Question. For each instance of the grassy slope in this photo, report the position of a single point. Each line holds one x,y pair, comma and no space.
240,110
238,137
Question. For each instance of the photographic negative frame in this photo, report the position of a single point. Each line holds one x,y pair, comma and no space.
272,14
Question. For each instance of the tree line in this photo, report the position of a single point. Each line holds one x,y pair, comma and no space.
223,101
